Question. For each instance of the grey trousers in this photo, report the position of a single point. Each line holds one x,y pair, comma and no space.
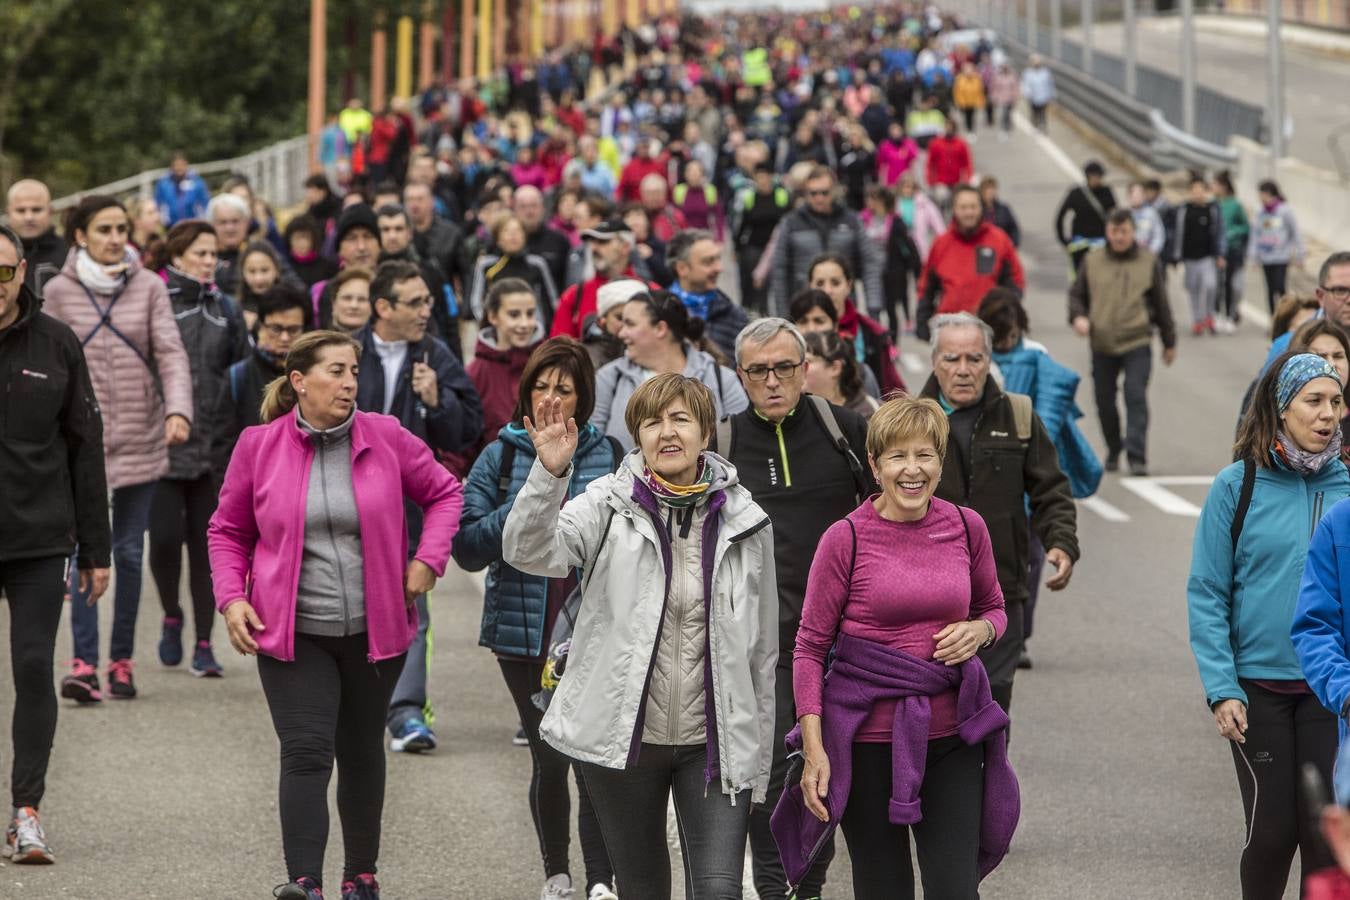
410,693
1202,287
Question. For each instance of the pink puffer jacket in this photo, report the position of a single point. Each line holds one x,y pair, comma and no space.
133,410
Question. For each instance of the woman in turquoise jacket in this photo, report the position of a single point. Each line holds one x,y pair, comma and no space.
1246,567
519,609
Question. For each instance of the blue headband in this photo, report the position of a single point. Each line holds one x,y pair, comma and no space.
1298,371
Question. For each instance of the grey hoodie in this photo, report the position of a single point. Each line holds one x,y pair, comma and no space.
330,599
616,381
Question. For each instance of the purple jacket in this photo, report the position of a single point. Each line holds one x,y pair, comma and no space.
863,673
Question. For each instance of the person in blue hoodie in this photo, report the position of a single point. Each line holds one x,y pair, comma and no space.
1249,555
519,609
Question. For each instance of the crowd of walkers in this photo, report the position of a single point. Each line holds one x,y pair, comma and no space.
732,559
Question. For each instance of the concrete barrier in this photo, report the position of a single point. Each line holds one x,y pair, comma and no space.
1320,199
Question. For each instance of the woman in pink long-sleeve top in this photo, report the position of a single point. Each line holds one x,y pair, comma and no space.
913,574
309,550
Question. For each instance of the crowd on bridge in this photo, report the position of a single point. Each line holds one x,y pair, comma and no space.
732,558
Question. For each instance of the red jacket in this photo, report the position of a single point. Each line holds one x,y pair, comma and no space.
633,173
962,268
578,302
948,161
383,133
496,375
667,223
573,118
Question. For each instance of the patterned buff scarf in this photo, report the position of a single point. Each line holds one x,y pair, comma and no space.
680,496
1297,372
697,304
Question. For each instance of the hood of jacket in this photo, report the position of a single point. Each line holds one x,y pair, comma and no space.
29,307
515,358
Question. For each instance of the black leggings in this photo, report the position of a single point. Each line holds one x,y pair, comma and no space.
34,588
329,704
971,115
180,513
1277,274
948,836
1284,732
550,802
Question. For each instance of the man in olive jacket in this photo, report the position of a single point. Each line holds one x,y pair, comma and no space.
995,465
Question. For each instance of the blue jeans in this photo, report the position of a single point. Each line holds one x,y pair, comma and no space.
410,693
130,519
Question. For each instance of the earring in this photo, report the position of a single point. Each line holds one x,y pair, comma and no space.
302,390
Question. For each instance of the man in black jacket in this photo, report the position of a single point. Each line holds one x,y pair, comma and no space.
29,207
528,204
396,243
996,457
786,457
1088,205
415,378
53,502
696,258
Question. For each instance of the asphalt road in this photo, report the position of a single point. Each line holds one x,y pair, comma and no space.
1236,66
1127,791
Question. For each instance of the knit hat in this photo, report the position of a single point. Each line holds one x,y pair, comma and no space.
358,215
1298,371
613,293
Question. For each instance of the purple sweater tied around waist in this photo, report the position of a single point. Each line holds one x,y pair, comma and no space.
863,673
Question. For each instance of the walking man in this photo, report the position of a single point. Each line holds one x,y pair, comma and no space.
1085,206
54,502
803,459
1117,302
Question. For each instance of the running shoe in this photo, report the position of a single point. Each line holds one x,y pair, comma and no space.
302,888
364,887
171,641
520,740
25,844
120,684
413,736
559,887
602,891
204,663
81,685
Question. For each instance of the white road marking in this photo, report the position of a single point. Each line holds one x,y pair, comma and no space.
1105,510
913,363
1155,491
1049,147
1256,315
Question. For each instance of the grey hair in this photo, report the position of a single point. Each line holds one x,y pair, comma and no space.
960,320
761,331
680,245
10,235
228,201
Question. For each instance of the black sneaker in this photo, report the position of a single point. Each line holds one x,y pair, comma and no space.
81,685
204,663
1112,462
1138,468
120,684
362,887
302,888
520,740
1024,661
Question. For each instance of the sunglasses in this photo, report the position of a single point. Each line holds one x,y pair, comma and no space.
7,273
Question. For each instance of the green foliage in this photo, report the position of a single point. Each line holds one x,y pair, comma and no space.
111,89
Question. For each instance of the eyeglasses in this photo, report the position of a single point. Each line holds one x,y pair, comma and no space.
422,302
824,193
782,371
1339,291
292,331
7,273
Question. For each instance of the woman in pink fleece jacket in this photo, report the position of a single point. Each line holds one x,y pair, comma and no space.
308,552
915,574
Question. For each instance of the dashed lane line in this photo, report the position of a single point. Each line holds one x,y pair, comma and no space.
1107,511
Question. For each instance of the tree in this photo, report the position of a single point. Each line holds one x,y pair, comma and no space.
24,23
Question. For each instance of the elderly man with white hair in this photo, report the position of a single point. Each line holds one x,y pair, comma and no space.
231,217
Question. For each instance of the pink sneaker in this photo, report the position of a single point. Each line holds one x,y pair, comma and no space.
119,680
81,685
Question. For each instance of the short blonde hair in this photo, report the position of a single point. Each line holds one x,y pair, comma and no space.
657,394
907,419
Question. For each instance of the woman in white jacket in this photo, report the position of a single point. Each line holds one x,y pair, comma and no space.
669,687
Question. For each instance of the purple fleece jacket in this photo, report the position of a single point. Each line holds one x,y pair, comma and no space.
863,673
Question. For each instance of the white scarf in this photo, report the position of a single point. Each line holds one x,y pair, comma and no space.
99,278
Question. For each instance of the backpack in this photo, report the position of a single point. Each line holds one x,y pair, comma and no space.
1022,412
508,461
1244,500
237,373
682,190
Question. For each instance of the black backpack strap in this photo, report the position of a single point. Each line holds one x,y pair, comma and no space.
1244,500
831,425
504,467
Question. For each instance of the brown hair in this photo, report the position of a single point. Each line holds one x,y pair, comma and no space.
1002,310
655,396
569,357
1288,307
1313,329
829,346
905,419
279,398
180,237
1257,433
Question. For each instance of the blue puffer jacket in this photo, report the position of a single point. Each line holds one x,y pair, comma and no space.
515,605
1321,629
1242,601
1052,387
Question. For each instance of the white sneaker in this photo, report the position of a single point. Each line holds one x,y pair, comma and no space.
559,887
602,892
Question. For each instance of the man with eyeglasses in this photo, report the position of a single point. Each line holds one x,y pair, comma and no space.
1333,299
283,315
804,461
823,223
54,498
1000,461
413,376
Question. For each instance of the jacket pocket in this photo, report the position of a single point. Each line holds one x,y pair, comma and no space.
32,405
